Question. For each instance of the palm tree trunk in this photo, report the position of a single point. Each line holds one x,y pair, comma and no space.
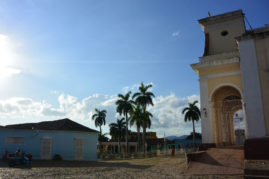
144,131
100,142
144,137
120,139
138,140
126,137
119,145
193,134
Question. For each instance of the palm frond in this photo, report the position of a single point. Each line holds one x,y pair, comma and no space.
185,109
135,95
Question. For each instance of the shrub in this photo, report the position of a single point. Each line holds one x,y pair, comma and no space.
57,157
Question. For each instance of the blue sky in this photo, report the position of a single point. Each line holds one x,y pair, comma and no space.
58,54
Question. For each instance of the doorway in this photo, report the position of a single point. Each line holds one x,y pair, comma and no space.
79,148
46,148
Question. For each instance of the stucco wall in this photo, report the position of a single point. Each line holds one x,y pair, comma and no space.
220,44
255,123
262,51
206,119
213,83
62,143
219,69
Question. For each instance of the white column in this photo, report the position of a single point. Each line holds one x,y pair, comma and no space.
255,124
205,112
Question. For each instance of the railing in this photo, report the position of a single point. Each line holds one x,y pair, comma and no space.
123,155
108,156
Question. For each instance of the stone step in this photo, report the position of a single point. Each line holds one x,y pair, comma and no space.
231,147
255,177
257,172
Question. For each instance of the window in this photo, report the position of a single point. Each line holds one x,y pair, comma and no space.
224,33
15,140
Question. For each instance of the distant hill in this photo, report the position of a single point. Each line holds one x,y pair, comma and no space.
176,137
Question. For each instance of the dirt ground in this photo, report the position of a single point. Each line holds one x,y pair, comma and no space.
157,167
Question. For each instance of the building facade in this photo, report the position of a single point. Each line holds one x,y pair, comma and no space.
233,76
153,143
44,140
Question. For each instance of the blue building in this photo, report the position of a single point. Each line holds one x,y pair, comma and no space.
186,144
44,140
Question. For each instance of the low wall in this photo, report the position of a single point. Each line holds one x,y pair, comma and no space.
206,146
257,149
256,158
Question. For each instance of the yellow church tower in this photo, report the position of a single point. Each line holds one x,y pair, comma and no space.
221,90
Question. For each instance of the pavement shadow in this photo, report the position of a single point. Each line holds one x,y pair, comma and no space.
75,164
208,159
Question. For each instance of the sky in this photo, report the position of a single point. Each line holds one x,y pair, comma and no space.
62,59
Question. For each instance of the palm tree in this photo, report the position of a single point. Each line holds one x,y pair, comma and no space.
147,122
103,138
124,106
144,98
116,130
192,113
100,119
146,119
137,119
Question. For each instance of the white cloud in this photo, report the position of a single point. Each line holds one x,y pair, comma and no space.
167,114
175,34
135,87
126,89
166,111
8,71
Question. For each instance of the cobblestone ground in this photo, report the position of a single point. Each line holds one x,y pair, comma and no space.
157,167
218,161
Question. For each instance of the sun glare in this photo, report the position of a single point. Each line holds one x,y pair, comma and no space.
7,58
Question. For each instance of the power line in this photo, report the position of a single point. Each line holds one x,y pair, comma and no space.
248,23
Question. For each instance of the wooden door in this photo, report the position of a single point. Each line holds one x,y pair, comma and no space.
79,148
46,148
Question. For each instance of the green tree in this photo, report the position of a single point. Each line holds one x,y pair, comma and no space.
144,98
137,119
103,138
192,113
99,119
117,130
124,106
147,122
197,136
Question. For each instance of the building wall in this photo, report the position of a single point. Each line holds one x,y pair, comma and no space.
62,143
213,85
211,78
262,51
219,69
185,144
255,124
232,23
221,66
220,44
205,107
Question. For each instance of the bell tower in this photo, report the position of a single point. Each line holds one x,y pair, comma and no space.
220,77
220,32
